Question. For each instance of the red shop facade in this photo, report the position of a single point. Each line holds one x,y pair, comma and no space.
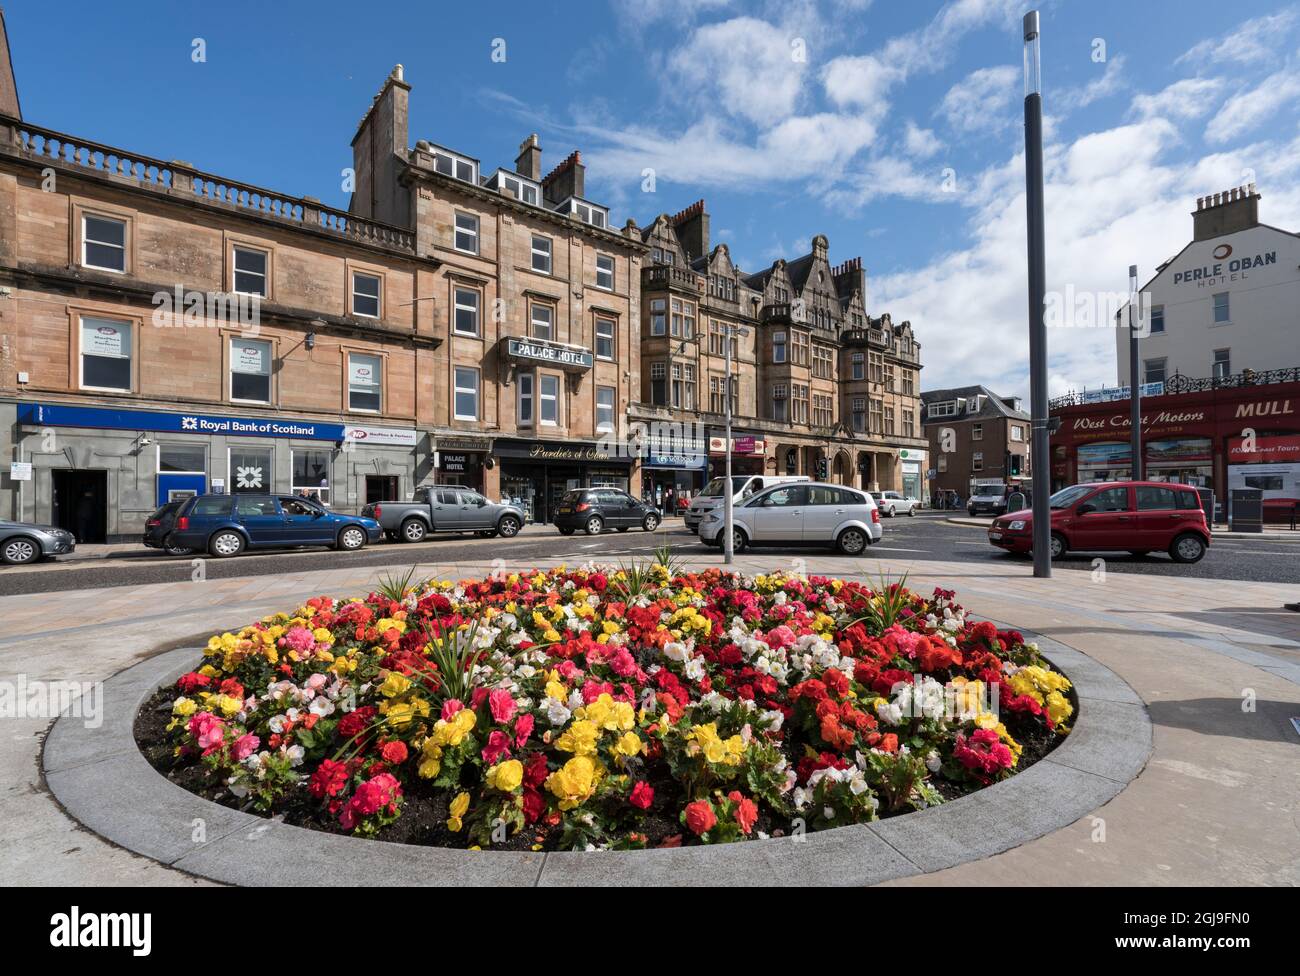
1245,436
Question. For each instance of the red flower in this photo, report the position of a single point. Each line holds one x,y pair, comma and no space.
394,752
745,812
523,729
642,796
836,682
534,804
187,683
700,817
535,770
497,748
354,723
329,779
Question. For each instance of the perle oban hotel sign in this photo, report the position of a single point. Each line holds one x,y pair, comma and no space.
538,351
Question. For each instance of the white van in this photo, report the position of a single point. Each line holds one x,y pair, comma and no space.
743,485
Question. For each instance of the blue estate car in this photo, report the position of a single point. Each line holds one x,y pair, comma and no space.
226,525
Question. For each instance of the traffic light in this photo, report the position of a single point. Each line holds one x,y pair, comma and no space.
1016,460
823,468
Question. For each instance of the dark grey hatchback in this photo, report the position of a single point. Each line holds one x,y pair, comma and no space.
596,509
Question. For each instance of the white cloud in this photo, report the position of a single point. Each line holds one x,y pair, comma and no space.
1113,198
982,100
1110,82
1255,41
640,13
1246,110
864,81
921,143
742,66
1190,98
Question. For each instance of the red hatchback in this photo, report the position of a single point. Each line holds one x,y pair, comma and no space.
1115,516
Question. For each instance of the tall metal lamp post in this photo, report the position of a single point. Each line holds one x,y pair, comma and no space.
729,541
1042,539
1134,394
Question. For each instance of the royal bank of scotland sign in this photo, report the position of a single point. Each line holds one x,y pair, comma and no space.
551,353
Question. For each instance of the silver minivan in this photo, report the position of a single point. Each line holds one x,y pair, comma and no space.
801,514
743,486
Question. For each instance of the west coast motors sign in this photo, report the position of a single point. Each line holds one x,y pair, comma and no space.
537,351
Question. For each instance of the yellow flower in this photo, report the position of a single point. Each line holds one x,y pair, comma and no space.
229,706
430,759
506,776
1058,707
716,750
579,738
628,744
184,707
323,635
394,685
556,690
609,627
453,733
459,806
573,782
608,714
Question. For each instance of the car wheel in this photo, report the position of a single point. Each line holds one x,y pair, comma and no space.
352,538
594,525
738,540
508,527
852,541
1187,548
911,512
172,550
1058,546
651,522
566,531
20,550
226,543
971,512
890,511
414,530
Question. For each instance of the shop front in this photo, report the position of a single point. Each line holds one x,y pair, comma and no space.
100,472
463,461
911,462
535,474
1242,436
672,472
747,454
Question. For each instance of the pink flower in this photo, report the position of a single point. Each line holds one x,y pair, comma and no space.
623,663
502,705
523,729
208,730
781,636
245,746
382,792
299,639
592,690
450,707
497,748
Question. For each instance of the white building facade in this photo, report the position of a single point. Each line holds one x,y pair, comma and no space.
1228,302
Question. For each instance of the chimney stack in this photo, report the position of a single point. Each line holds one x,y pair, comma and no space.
1226,212
692,226
566,180
378,149
529,161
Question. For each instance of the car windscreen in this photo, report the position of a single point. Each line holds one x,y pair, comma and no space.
1068,496
714,488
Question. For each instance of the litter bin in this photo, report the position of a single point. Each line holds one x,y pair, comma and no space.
1246,510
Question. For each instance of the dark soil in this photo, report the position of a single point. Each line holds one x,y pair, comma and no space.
425,807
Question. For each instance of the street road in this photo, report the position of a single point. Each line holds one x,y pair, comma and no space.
927,537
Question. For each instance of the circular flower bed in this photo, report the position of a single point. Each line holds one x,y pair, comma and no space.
603,708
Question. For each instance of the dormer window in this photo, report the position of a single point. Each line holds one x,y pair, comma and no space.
588,213
456,166
511,185
945,408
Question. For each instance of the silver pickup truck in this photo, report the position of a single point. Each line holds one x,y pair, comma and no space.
445,508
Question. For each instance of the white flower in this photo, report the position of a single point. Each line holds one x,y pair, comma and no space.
556,713
675,651
321,707
933,762
694,669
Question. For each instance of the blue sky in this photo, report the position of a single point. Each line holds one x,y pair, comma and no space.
893,128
